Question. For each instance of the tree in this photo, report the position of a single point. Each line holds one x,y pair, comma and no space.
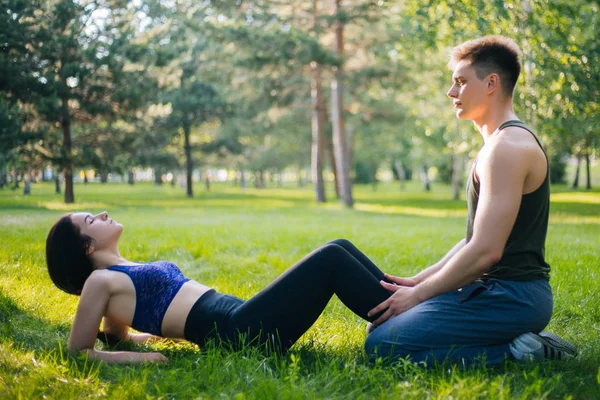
318,120
337,113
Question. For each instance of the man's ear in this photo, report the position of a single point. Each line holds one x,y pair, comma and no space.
493,83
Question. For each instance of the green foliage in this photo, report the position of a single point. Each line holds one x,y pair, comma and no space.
558,169
362,172
444,168
131,78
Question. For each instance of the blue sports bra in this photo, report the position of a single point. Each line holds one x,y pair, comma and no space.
156,284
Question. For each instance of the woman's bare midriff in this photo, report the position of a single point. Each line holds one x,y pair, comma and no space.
173,324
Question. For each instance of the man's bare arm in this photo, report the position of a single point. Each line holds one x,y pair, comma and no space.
427,272
502,175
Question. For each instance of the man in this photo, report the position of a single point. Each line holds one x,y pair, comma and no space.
491,291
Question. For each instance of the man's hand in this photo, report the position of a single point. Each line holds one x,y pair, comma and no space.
404,298
401,281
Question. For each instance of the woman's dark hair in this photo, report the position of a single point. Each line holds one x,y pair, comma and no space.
69,264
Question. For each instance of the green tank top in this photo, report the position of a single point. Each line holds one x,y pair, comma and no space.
523,256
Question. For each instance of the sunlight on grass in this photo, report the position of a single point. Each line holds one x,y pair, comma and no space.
260,203
84,206
419,212
576,197
573,219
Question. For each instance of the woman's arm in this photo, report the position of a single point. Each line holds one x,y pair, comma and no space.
92,305
124,357
121,331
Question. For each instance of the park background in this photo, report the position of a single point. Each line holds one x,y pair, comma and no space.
232,138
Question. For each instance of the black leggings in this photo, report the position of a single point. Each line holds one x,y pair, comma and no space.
288,306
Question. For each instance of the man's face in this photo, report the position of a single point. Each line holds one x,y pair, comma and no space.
469,93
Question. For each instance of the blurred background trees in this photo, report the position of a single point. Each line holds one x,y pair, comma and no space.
334,92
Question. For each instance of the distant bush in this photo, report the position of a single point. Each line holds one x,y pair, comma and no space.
558,168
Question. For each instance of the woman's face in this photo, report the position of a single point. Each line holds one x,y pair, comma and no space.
103,230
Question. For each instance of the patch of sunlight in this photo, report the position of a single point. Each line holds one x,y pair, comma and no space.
298,194
57,205
574,219
576,197
420,212
8,220
253,203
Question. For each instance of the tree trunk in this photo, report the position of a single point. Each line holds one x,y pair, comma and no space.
189,166
457,171
401,174
337,115
85,179
207,181
130,177
426,179
67,156
57,183
259,182
27,187
576,180
243,182
103,177
373,168
158,181
318,124
300,178
332,163
588,184
261,175
350,145
2,176
16,180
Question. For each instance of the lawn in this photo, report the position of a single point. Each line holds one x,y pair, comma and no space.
238,241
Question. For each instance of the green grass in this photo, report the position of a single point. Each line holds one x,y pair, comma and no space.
238,241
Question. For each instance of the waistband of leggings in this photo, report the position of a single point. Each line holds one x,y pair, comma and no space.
198,323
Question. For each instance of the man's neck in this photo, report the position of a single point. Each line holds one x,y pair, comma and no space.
496,116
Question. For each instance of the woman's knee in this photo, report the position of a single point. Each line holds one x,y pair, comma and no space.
332,247
344,243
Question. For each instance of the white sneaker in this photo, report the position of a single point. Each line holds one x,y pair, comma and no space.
542,346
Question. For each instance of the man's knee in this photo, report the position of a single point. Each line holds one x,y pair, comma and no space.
377,346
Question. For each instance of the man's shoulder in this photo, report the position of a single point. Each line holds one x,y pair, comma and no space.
515,139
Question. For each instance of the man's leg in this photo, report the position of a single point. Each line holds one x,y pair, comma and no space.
462,326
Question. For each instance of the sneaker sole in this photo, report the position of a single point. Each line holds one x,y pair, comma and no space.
554,345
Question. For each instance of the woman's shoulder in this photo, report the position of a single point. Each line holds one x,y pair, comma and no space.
99,280
104,280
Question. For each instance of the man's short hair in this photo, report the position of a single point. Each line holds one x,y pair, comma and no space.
490,54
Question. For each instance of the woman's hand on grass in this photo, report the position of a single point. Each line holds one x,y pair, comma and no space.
125,357
156,358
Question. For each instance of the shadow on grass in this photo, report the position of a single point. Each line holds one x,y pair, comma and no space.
26,331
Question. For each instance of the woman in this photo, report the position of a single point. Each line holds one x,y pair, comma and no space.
155,298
